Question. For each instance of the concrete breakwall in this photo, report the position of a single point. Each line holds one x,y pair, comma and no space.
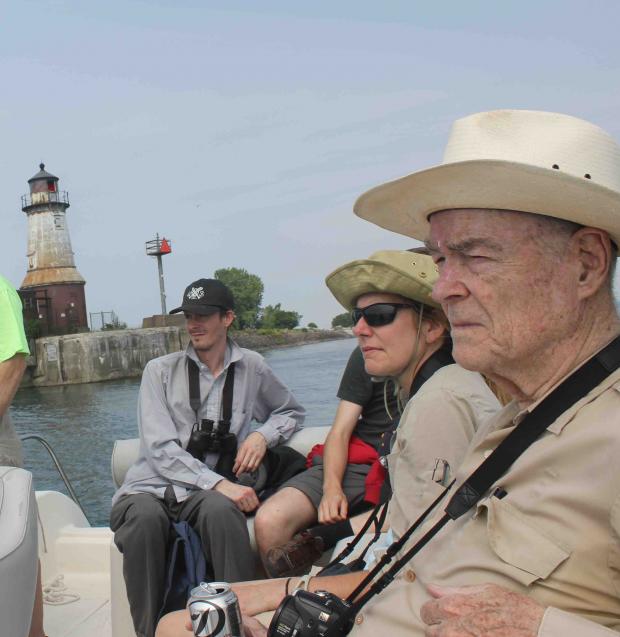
98,356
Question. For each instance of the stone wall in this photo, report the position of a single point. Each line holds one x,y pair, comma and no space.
97,356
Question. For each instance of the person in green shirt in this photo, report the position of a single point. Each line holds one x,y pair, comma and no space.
13,352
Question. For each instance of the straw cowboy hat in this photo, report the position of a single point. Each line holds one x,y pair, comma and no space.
532,161
409,274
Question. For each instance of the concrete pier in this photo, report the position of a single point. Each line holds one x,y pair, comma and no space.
93,357
97,356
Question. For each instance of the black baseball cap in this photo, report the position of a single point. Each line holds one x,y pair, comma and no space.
206,296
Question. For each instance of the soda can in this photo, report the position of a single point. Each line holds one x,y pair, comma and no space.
214,610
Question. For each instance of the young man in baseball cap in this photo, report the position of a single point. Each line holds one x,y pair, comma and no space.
172,481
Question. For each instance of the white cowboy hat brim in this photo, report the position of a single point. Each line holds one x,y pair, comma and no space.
405,205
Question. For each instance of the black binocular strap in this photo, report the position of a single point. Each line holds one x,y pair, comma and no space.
227,394
194,391
572,389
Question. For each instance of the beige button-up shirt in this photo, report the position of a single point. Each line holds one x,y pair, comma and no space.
433,435
554,536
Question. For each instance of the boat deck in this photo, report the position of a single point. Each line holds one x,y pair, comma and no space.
87,616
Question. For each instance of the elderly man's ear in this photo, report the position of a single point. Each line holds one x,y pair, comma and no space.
594,253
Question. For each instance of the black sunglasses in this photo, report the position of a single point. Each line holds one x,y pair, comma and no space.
378,314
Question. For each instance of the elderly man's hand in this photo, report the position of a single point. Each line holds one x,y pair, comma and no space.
480,611
250,453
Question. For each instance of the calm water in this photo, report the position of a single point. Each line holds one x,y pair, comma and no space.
81,422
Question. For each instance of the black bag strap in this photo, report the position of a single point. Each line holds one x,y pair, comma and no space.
439,359
377,515
379,522
194,391
564,396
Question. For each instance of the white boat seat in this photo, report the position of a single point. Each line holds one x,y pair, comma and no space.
18,550
125,452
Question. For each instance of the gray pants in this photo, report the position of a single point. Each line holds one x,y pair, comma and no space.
141,525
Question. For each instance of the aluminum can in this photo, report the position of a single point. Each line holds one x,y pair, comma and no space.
214,610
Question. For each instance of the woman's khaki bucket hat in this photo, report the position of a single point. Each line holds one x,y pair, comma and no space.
532,161
409,274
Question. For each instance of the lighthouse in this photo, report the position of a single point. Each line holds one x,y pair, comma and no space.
53,290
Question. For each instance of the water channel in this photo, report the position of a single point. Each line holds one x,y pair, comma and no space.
81,422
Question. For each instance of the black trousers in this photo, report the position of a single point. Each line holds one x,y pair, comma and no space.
141,525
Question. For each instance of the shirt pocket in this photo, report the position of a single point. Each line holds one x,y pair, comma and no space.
529,553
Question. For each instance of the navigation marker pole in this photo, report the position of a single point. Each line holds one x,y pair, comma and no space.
157,248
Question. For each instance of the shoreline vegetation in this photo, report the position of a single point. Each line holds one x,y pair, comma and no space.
262,340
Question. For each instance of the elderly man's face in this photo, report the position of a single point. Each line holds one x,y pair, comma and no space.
505,284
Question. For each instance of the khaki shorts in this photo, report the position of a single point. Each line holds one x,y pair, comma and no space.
310,482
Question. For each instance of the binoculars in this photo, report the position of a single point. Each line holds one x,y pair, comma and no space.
207,438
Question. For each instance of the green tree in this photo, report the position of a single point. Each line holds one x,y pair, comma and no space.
274,317
248,292
342,320
313,326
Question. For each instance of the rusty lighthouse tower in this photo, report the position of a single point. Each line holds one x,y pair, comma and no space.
53,290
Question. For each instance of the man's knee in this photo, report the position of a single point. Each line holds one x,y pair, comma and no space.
281,509
139,520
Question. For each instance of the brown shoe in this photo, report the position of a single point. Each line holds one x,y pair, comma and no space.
295,557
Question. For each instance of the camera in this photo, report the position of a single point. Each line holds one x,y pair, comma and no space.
306,614
205,438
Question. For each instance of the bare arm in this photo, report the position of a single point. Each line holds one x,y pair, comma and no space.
11,372
334,506
260,596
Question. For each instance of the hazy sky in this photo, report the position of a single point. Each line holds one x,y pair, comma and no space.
244,131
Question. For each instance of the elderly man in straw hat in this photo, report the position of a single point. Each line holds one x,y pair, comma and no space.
523,221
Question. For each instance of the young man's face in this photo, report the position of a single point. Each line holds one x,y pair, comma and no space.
507,290
209,331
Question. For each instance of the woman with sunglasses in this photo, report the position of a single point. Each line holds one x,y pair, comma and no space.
403,336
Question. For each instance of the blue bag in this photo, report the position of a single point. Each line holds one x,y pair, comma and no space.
186,567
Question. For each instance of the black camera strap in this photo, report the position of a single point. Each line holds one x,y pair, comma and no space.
194,392
565,395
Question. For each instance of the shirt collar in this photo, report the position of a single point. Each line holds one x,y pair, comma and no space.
232,355
556,427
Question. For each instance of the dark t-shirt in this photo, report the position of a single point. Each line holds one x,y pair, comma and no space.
357,387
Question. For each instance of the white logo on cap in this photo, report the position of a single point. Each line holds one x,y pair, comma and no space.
195,293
